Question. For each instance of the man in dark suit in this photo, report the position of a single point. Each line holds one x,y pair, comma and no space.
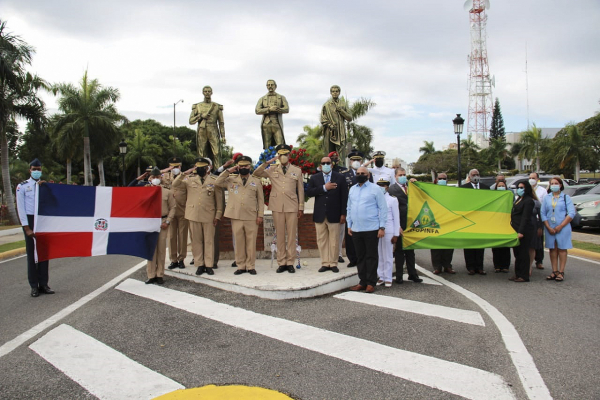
474,257
400,255
331,195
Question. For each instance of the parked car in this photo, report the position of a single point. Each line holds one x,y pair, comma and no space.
513,181
578,190
588,207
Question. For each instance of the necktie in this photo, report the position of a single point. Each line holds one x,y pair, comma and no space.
202,180
404,188
284,169
326,178
244,181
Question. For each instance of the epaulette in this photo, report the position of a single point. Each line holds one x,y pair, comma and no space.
22,183
213,177
345,171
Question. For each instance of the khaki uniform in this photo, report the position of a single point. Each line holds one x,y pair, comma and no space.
178,230
245,204
210,129
156,267
287,197
204,204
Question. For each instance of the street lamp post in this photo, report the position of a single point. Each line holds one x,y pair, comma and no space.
174,104
458,128
123,151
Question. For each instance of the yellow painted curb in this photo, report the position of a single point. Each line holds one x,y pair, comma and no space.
585,253
12,253
230,392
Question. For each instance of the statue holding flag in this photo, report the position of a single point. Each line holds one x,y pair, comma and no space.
211,128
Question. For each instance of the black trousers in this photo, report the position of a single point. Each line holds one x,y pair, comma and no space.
539,252
37,273
522,260
441,258
401,255
501,257
474,259
366,246
350,251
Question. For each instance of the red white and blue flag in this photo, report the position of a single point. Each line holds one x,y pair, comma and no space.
85,221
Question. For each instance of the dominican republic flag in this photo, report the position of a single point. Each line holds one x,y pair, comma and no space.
85,221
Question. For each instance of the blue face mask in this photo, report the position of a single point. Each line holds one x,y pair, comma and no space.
501,188
326,168
442,182
555,188
382,188
520,192
36,174
402,180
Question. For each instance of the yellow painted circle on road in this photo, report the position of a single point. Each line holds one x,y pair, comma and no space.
232,392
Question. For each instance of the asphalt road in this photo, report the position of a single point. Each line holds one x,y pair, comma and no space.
557,322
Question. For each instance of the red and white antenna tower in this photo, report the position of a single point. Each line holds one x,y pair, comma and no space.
480,82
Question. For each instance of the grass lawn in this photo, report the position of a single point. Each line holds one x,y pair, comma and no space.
12,246
586,246
2,228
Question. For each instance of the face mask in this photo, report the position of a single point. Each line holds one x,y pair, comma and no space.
520,192
334,161
326,168
36,174
475,179
284,159
553,188
355,164
532,182
442,182
244,171
402,180
382,189
501,188
201,171
361,178
379,162
155,181
176,171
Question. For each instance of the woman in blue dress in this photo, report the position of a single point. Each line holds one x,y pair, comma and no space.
557,213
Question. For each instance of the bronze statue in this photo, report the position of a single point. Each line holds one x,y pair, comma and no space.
333,114
211,128
271,106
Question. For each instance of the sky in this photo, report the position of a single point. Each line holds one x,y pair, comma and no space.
409,57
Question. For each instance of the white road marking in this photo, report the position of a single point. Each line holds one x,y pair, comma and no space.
469,382
101,370
584,259
13,259
532,381
25,336
417,307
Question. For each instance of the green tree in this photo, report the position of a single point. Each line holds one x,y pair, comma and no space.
66,143
515,151
497,127
18,98
427,148
498,151
90,110
359,136
570,147
141,150
312,141
469,148
532,142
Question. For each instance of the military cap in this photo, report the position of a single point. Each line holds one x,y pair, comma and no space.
35,163
283,149
383,182
202,162
149,169
156,172
379,154
356,155
174,161
333,153
244,160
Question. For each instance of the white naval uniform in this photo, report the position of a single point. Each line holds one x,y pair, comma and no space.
386,247
383,172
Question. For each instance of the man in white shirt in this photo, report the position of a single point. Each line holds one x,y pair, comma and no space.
381,171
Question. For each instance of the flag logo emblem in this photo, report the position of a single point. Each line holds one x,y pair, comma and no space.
101,224
425,219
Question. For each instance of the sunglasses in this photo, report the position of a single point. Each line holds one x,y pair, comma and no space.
360,173
521,187
325,163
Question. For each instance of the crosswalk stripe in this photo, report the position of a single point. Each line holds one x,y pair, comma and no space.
466,381
101,370
417,307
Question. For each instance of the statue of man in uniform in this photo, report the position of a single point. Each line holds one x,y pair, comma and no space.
333,116
211,128
271,106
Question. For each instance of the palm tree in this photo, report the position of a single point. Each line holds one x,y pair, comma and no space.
90,110
18,97
312,141
359,136
498,151
515,152
469,147
66,143
532,141
140,149
427,148
570,146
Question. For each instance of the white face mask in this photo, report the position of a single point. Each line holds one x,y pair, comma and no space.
176,171
156,181
283,159
355,164
533,182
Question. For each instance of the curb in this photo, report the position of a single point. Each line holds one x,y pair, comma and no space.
585,253
12,253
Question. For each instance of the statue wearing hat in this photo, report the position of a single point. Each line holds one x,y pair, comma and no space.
271,106
334,115
245,207
211,128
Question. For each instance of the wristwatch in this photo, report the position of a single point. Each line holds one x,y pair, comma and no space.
382,228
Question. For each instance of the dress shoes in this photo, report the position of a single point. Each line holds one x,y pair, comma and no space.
356,288
449,271
173,265
351,264
324,269
341,260
180,264
388,284
379,282
192,262
400,281
160,280
151,280
437,271
370,289
335,269
215,266
234,264
252,271
46,290
481,272
291,269
200,270
471,272
415,279
209,271
282,268
239,272
35,292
